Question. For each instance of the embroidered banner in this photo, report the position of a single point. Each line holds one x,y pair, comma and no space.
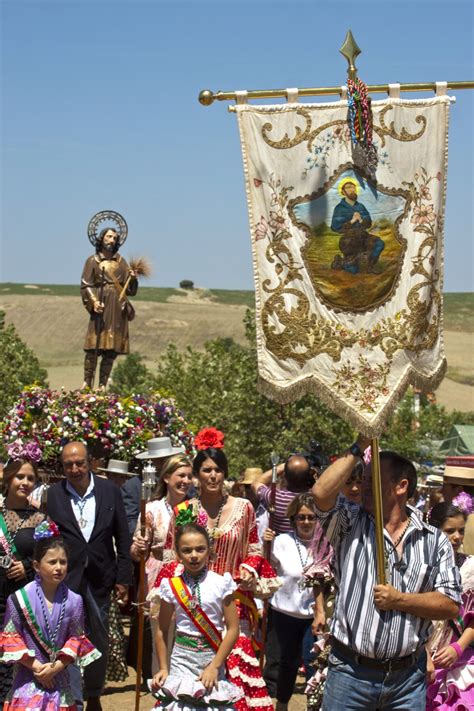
347,255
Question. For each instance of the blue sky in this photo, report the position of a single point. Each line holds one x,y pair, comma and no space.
100,111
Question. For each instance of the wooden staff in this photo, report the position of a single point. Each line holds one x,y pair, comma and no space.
148,482
267,550
98,324
378,512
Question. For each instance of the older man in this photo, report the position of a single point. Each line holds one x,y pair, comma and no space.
90,515
379,632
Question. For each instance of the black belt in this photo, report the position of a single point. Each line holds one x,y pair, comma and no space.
388,665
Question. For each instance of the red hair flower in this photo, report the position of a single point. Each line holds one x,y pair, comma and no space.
209,437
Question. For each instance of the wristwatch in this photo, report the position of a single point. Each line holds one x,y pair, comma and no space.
356,450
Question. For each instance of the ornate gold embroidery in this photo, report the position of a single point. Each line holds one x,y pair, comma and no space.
401,135
308,134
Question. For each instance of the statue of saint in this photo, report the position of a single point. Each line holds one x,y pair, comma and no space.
106,283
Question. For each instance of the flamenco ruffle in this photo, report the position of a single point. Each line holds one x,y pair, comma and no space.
30,698
81,650
188,693
12,648
244,671
453,689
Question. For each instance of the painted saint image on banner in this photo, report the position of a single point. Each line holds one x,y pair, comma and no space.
354,251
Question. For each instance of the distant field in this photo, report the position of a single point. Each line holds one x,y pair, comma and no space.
54,327
159,294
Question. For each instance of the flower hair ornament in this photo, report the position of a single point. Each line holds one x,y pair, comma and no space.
186,513
24,450
209,437
464,502
46,529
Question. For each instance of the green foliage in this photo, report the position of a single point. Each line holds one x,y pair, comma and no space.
19,367
186,284
417,438
131,375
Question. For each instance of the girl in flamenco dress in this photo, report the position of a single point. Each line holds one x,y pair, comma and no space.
451,644
235,549
203,603
43,631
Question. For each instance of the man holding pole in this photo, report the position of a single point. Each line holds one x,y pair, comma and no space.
378,658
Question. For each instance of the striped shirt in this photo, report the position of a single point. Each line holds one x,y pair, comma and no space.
283,497
426,565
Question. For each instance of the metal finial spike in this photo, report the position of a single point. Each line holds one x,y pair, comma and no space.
350,50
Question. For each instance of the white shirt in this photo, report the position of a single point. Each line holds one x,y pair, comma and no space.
83,507
214,588
286,559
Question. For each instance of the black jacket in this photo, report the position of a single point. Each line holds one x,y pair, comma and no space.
96,562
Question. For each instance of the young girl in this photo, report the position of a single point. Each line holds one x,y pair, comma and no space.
44,631
203,603
451,643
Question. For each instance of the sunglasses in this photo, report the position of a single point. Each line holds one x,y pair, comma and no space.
306,517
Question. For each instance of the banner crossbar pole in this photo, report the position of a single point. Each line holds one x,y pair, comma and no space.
207,97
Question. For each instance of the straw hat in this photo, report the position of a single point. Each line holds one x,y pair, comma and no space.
115,466
434,480
251,474
459,470
159,447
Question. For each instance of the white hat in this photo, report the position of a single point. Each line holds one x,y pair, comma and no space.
115,466
159,447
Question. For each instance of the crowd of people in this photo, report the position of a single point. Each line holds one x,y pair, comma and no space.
248,583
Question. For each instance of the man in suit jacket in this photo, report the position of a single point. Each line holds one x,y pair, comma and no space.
91,518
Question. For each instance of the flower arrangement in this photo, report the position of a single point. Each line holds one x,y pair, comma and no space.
209,437
121,426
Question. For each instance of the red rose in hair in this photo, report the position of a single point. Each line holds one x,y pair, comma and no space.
209,437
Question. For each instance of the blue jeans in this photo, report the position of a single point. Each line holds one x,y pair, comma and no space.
351,686
97,630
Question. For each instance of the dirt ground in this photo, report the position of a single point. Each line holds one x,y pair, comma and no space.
121,696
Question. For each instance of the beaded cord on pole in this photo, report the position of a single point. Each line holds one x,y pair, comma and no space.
360,114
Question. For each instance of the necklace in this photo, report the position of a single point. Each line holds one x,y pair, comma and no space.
52,635
304,563
397,542
394,546
194,584
81,506
213,532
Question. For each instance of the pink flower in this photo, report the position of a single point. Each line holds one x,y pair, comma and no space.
257,182
425,193
423,215
202,519
261,229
